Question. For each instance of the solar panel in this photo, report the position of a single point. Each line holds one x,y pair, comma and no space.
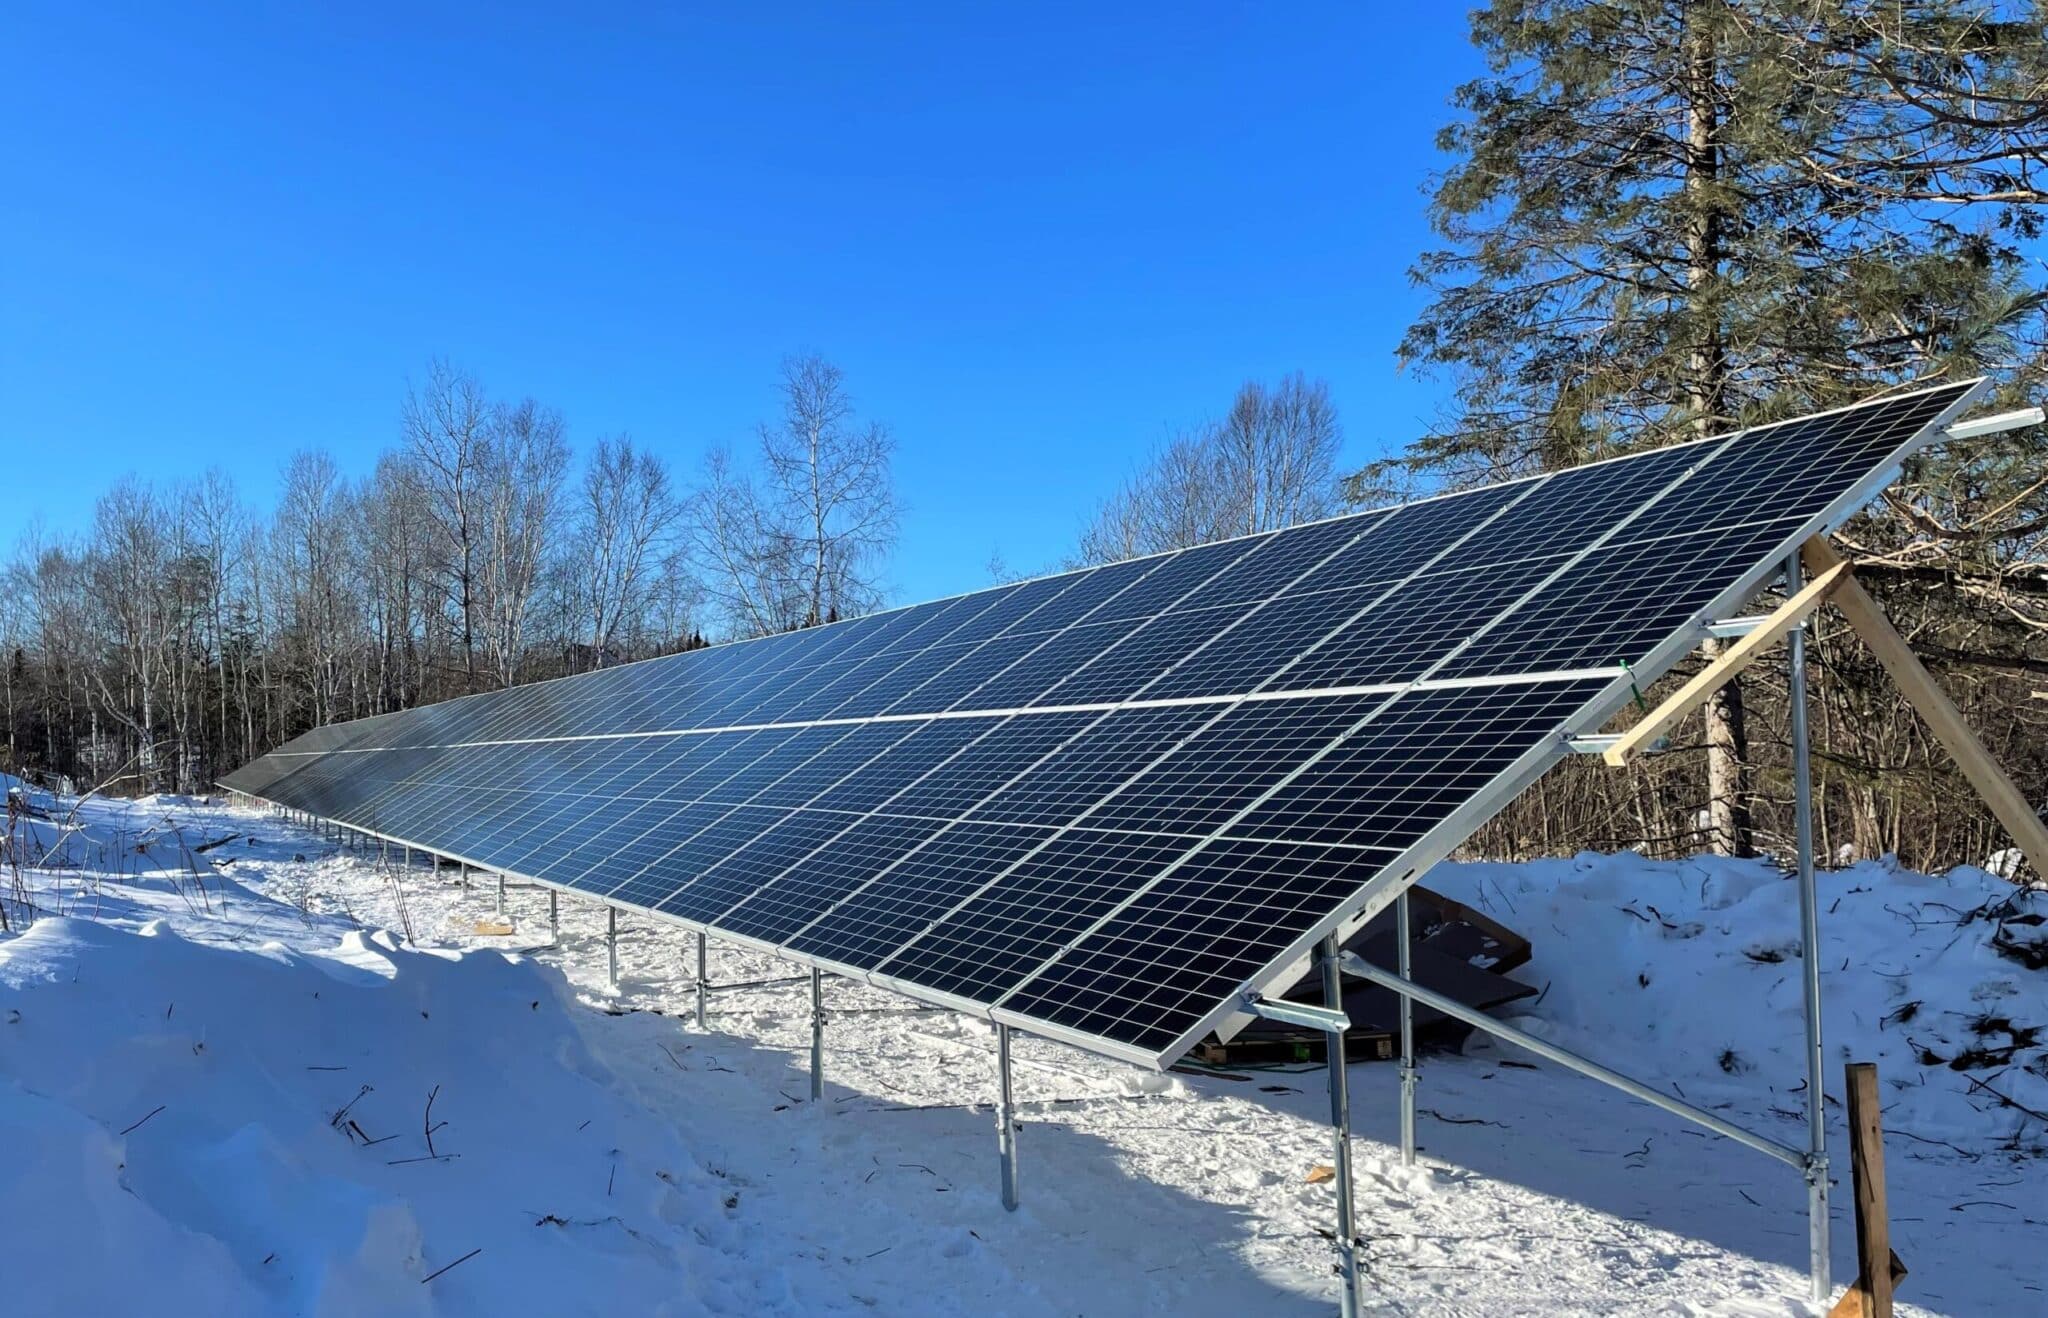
1105,805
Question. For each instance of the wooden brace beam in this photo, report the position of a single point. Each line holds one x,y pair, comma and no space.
2008,805
1739,655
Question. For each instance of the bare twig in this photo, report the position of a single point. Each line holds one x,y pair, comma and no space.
427,1123
464,1259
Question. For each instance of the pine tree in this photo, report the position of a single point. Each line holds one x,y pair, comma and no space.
1667,218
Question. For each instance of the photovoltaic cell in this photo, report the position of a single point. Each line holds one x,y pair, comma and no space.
1113,749
1034,678
907,762
1105,804
1210,777
1129,664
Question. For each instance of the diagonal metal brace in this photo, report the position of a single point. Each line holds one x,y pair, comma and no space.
1356,965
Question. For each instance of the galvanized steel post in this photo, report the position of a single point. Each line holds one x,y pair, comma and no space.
1818,1248
611,947
1006,1118
1402,936
817,1034
703,988
1340,1125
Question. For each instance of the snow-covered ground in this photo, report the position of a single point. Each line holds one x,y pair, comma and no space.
274,1077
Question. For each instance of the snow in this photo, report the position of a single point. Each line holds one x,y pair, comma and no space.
215,1068
1698,980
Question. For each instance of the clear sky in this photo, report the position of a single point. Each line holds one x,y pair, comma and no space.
1037,237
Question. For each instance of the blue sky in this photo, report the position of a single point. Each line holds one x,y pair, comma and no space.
1038,238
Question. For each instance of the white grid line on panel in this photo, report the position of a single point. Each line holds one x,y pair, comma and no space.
876,618
1025,711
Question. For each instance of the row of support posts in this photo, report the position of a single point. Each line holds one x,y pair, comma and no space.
1005,1105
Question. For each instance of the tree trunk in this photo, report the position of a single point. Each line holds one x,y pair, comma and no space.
1727,743
1727,770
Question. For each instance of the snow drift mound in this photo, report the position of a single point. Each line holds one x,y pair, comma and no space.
197,1129
1688,971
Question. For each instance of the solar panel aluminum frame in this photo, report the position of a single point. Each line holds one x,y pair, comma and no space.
1407,866
1436,845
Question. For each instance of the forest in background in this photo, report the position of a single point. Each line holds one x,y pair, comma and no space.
188,631
1660,219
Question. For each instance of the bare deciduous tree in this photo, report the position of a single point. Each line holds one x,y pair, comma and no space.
627,519
185,633
1271,462
524,464
802,543
447,423
314,548
132,570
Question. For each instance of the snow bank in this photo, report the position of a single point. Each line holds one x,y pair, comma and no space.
253,1134
1689,971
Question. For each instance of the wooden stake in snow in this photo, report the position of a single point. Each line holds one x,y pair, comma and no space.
1878,1269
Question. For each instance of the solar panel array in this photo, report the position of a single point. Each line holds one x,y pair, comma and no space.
1100,805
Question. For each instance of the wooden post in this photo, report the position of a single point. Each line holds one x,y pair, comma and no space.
1866,1162
2006,801
1878,1269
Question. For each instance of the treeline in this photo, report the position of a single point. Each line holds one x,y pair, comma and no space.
188,631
